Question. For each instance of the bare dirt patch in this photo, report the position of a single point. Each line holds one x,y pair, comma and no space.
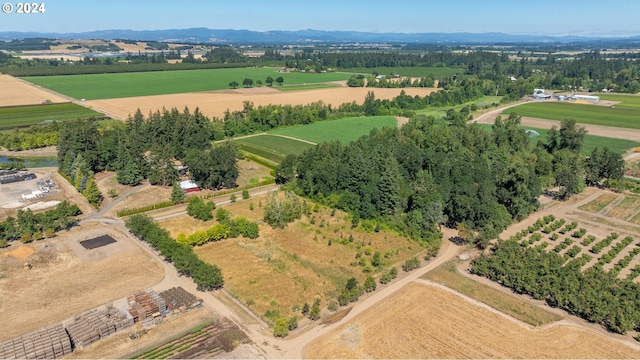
67,279
21,252
445,325
17,92
215,103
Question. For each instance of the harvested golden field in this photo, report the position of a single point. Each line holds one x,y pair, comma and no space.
17,92
424,321
215,103
67,279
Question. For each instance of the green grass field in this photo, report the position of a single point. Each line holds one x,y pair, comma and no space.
21,116
435,72
619,116
106,86
440,112
344,130
628,101
272,148
619,146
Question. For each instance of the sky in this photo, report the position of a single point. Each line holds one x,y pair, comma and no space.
560,17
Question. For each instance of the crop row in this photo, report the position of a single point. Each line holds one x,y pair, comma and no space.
624,262
563,245
603,243
614,251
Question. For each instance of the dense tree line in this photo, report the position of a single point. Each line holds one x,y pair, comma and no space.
206,276
265,117
146,148
595,295
426,174
28,226
50,67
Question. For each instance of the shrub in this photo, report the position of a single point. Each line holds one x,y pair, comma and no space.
411,264
281,328
245,194
200,210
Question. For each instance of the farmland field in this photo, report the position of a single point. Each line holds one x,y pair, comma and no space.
619,146
20,116
427,322
619,116
344,130
626,101
18,92
107,86
216,103
449,276
272,148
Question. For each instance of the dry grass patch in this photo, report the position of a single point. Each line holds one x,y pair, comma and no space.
599,203
185,224
250,172
625,208
422,321
147,196
288,267
448,275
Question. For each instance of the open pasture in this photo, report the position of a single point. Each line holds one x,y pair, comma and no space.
428,322
626,100
18,92
214,104
21,116
107,86
344,130
617,116
308,259
271,147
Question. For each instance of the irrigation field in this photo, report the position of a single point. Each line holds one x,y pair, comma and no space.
107,86
624,115
21,116
345,130
272,148
619,146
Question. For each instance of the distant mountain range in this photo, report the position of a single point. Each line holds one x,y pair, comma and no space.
204,35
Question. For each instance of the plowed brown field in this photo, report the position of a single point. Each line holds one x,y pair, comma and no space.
423,321
215,103
17,92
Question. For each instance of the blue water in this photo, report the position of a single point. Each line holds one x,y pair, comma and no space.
33,162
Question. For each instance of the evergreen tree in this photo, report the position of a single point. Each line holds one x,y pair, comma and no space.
92,193
177,194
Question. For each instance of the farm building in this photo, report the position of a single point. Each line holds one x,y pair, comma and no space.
589,98
189,186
